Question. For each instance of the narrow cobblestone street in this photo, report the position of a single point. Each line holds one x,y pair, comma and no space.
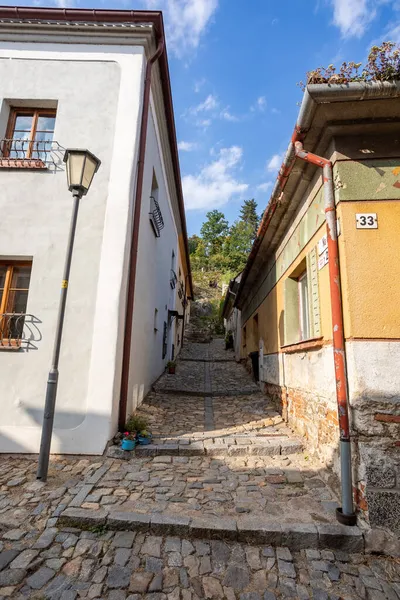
225,503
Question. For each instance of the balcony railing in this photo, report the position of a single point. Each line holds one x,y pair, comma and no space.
30,154
19,330
173,279
155,215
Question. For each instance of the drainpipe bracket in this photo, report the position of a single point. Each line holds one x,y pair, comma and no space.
349,520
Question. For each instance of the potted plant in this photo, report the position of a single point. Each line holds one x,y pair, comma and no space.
137,426
144,437
128,441
171,365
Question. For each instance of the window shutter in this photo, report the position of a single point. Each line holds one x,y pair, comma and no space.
312,275
291,315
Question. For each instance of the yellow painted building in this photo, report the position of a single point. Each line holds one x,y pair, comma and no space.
284,297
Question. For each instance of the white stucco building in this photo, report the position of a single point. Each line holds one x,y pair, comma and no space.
77,78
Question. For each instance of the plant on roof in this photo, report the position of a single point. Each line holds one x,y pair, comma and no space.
383,64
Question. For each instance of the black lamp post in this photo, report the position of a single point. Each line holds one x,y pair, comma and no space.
81,165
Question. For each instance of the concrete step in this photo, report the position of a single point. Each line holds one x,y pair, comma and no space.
215,446
249,530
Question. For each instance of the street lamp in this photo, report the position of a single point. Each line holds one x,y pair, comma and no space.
81,165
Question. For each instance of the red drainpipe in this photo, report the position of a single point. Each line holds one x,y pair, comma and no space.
135,237
346,514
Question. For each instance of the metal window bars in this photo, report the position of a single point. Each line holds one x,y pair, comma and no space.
173,279
155,215
23,153
11,329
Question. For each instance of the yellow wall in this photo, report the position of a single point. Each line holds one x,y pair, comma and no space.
370,279
271,310
370,264
369,259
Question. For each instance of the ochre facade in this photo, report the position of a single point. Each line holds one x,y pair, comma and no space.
299,374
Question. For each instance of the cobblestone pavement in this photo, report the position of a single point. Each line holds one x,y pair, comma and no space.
68,563
193,486
288,490
275,481
214,351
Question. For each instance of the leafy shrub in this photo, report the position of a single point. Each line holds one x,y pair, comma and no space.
136,423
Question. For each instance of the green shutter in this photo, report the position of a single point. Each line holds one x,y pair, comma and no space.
313,293
291,317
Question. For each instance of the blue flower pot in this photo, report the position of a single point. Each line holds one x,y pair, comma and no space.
144,440
128,444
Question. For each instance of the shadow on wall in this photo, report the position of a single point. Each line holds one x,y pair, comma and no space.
66,428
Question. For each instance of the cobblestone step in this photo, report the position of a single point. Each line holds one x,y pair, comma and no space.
249,530
110,564
273,488
224,446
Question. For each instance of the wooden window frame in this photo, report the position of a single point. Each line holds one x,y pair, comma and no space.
27,160
10,264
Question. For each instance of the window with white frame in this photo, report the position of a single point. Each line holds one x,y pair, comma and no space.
304,307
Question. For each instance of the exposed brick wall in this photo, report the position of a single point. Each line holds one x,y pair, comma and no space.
375,458
310,416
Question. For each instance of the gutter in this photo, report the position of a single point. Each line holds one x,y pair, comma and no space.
314,95
130,302
345,514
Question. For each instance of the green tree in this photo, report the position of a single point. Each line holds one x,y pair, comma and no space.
248,214
214,231
193,242
238,245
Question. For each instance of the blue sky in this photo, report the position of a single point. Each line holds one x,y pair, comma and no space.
234,68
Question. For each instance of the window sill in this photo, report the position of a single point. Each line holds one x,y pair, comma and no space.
311,344
13,345
22,163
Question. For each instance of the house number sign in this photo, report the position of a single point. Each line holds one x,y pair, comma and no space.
366,221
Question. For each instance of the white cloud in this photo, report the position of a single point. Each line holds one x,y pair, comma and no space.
353,16
264,187
185,21
274,163
228,116
215,185
186,146
275,111
198,85
210,103
260,104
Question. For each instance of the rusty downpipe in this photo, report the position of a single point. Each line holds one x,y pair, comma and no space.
344,515
130,301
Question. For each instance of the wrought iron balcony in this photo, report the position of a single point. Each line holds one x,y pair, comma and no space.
155,215
30,154
173,279
19,330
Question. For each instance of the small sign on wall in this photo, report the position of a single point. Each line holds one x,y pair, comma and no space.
366,221
322,245
323,260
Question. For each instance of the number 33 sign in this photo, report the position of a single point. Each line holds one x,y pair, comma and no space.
367,221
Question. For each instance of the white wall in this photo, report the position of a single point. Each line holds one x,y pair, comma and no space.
99,91
153,289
